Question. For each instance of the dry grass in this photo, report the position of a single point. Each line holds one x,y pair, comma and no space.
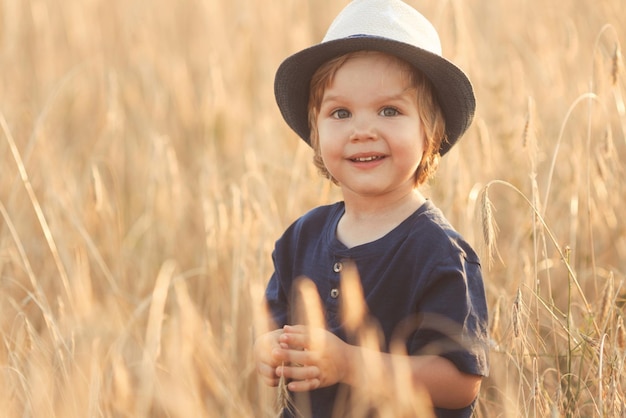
146,172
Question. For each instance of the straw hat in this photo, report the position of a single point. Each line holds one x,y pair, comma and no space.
389,26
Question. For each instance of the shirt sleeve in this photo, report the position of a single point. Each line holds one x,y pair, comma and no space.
276,299
452,317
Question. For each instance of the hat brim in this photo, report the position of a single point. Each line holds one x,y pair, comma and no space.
453,89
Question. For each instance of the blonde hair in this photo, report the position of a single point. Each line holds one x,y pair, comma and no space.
430,114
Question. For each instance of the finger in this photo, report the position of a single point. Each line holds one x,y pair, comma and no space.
267,374
271,382
267,371
303,385
298,373
280,355
296,329
294,341
296,356
304,336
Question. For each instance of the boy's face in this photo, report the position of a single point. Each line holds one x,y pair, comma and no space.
370,134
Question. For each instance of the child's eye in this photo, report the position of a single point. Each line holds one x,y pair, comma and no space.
341,114
389,111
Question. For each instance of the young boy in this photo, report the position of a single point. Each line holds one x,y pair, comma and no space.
379,105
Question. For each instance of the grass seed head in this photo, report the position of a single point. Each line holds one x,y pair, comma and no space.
621,333
607,301
489,225
283,398
517,313
616,66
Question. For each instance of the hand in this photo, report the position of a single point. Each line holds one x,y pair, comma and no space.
266,362
311,358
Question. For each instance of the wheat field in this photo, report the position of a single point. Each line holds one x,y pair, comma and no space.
145,173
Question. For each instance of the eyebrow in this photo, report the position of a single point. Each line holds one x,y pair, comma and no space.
401,96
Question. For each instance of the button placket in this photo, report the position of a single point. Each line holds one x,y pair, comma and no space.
337,267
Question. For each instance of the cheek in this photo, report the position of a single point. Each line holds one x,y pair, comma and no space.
327,140
410,154
326,151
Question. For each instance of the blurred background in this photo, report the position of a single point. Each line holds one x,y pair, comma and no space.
145,173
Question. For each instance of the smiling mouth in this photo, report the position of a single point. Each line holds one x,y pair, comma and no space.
367,159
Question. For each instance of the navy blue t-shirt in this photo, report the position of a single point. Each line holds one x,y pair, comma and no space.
421,271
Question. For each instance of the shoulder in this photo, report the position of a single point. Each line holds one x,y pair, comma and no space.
432,228
316,217
320,214
314,222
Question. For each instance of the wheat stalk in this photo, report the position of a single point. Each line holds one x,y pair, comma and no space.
283,399
489,226
621,333
607,302
517,313
616,61
43,222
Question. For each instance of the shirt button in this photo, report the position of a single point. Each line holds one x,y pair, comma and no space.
337,267
334,293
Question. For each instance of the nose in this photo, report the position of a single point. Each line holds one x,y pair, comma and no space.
363,128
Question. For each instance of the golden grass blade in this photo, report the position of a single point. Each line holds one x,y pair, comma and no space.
308,306
353,308
156,313
152,345
40,295
38,210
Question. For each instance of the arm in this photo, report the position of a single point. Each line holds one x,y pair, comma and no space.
327,360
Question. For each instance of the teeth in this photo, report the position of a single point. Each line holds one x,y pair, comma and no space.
366,159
